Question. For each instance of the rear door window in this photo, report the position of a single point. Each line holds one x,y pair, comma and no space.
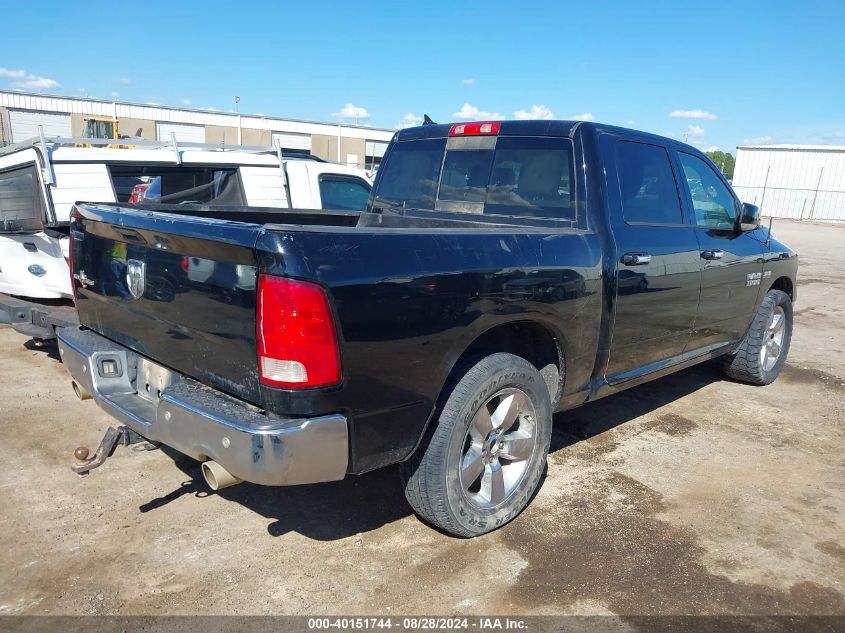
21,200
647,184
216,186
343,193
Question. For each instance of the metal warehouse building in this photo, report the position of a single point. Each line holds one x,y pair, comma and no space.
804,182
22,113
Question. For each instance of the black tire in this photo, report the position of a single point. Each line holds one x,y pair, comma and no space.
747,364
433,476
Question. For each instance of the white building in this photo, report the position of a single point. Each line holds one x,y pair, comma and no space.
21,114
804,182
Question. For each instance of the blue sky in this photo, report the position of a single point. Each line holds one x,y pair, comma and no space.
716,73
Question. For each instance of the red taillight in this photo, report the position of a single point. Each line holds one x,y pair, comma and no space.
490,128
138,193
297,343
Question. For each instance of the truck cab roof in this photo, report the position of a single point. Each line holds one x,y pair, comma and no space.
559,128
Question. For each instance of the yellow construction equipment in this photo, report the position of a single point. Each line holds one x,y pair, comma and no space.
97,127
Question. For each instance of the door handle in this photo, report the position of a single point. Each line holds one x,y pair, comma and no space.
712,254
636,259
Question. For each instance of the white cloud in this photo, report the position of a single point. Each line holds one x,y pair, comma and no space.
152,103
630,122
468,111
468,81
409,120
584,116
24,80
187,102
758,140
693,114
115,94
694,131
350,111
712,148
124,81
536,112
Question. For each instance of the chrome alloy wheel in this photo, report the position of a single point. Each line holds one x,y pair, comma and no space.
498,447
773,339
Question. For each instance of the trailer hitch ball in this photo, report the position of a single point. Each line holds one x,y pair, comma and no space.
114,437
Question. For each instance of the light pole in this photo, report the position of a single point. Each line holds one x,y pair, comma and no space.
338,141
238,110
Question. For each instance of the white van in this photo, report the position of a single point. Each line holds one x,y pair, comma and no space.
41,179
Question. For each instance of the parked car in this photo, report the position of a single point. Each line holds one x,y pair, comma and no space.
39,184
503,271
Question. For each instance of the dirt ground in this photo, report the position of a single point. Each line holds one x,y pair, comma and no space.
689,495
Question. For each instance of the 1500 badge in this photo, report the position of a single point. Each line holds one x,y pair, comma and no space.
753,279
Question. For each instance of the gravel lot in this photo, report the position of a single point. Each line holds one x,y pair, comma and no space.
689,495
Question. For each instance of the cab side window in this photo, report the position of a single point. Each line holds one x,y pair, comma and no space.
712,202
343,193
647,184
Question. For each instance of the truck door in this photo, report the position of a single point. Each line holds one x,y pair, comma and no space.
732,261
658,267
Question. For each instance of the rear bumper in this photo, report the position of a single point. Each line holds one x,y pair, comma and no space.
205,423
38,320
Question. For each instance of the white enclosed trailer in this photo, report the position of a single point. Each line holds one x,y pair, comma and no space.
803,182
41,179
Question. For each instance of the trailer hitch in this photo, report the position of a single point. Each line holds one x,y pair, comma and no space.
114,437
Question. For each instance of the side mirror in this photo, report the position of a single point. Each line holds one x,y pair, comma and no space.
749,219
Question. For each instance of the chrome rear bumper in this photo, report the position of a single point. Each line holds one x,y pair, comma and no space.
202,422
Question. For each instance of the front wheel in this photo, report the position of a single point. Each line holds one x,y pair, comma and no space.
762,353
484,459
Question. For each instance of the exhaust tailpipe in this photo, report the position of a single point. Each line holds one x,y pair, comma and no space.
218,477
80,391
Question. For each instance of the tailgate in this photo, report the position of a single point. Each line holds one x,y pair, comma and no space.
180,290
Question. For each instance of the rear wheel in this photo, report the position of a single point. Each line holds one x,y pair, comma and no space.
762,353
484,459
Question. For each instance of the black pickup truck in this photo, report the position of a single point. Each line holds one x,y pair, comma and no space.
502,271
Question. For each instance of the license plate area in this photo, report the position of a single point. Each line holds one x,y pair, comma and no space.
152,380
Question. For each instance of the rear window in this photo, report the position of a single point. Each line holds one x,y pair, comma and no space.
466,176
21,200
136,184
515,176
532,177
414,171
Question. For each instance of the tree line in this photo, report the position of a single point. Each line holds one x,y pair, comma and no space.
723,161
